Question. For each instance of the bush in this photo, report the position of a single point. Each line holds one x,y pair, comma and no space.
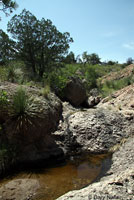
110,87
3,73
46,91
58,82
3,103
16,72
91,78
11,74
107,88
3,98
8,157
20,102
20,113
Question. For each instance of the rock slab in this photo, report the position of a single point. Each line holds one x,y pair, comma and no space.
19,189
118,182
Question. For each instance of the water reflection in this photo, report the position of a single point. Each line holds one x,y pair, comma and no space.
56,181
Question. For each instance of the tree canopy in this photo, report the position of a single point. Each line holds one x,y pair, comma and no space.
7,47
92,59
129,61
39,44
70,58
7,6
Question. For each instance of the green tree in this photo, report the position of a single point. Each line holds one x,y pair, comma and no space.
110,62
129,61
85,57
92,59
70,58
7,47
7,6
40,44
78,59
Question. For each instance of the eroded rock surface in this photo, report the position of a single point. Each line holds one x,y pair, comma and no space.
31,134
19,189
121,101
92,130
83,130
117,115
118,182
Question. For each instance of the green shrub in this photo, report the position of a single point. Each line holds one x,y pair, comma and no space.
8,157
3,73
3,102
45,91
109,87
57,81
20,102
11,74
102,70
91,78
3,98
20,113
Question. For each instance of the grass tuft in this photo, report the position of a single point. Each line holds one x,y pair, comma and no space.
45,91
20,102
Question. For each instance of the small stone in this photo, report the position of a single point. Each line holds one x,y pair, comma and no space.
129,191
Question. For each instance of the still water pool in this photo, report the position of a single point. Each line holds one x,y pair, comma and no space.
56,181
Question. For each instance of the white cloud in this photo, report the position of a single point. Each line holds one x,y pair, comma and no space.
129,45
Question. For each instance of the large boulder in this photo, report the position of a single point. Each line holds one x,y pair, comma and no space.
91,130
31,134
75,92
96,130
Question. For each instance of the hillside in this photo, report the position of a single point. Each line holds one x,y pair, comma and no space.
123,73
122,100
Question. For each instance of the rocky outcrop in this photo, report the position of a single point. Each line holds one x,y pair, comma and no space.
91,130
19,189
31,133
117,75
98,130
121,101
117,115
118,182
75,92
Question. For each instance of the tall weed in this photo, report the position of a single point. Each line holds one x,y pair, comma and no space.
20,102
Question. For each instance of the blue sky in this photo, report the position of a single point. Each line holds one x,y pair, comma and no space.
105,27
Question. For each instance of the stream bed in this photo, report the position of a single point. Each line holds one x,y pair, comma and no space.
72,175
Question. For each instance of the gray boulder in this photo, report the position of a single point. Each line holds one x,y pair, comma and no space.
93,101
31,134
75,92
91,130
